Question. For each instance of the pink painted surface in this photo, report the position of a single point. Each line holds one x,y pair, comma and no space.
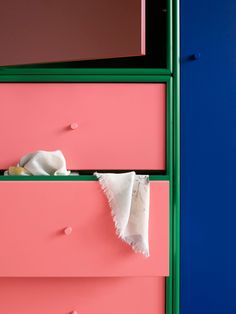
84,295
143,27
33,219
120,126
60,30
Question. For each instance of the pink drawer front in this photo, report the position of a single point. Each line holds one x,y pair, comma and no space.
119,125
82,295
55,228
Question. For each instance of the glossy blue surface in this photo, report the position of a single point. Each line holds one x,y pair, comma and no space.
208,157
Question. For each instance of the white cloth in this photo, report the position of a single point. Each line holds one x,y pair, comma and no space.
129,196
44,163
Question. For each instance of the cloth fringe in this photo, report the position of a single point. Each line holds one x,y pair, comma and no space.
135,241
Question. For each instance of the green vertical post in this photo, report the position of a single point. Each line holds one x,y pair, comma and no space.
176,207
169,167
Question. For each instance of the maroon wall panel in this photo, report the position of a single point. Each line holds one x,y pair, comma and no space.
33,31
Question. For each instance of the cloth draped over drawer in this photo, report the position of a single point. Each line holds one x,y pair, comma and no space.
129,196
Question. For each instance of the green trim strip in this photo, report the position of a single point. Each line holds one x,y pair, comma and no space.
173,281
69,178
176,173
169,280
82,78
71,71
169,158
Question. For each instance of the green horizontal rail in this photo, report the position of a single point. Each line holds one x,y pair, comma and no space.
69,178
87,71
83,78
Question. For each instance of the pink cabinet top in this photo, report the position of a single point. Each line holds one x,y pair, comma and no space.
55,228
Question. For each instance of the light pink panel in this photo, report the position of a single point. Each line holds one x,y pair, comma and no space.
120,126
34,217
36,31
83,295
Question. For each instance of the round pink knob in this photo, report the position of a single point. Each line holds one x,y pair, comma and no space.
67,230
74,126
74,312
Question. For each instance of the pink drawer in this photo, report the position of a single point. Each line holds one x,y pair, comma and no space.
83,295
120,125
34,216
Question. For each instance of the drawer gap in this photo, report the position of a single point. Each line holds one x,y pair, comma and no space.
90,172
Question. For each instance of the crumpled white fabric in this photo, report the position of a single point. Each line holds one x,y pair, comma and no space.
129,197
44,163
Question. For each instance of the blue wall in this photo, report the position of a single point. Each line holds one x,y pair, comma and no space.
208,148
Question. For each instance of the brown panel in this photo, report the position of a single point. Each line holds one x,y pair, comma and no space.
33,31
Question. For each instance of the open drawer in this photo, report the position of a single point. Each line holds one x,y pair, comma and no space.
98,126
34,237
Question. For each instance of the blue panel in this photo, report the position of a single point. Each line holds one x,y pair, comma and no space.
208,148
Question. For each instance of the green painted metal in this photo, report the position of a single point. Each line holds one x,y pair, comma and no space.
169,156
23,78
173,281
71,71
68,178
176,154
169,58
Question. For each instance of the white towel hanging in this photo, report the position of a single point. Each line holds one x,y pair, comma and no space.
129,197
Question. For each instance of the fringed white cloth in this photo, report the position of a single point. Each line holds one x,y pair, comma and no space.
128,195
43,163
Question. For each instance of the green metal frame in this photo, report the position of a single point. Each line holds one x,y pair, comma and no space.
170,76
176,157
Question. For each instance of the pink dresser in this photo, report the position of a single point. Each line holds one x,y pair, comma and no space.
59,251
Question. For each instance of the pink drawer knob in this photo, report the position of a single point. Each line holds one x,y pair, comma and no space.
74,126
74,312
67,231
